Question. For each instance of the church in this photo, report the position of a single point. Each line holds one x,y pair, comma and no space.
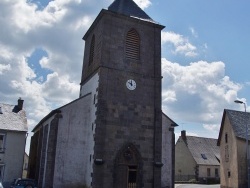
115,134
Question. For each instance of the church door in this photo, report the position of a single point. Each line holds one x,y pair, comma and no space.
128,168
132,176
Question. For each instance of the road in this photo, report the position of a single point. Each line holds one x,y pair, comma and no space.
196,186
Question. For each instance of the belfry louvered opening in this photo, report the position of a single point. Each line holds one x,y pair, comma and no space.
133,45
92,50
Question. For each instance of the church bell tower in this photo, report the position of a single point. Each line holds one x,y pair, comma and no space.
122,71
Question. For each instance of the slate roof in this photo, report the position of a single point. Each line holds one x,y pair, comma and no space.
238,121
199,146
128,8
124,7
12,119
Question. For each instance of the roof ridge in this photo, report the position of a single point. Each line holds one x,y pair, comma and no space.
201,137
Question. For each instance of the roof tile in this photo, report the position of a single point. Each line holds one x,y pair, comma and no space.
239,120
13,120
199,146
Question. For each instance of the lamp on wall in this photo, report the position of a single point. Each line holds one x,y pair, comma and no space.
158,164
99,161
247,150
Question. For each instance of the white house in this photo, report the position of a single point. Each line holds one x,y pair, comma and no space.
13,131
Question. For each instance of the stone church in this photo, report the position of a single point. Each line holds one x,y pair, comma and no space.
114,134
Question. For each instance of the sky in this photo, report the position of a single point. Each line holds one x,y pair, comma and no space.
205,56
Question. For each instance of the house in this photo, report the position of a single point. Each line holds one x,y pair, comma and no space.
232,142
197,159
114,134
13,132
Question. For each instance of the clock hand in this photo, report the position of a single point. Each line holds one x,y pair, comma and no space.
131,83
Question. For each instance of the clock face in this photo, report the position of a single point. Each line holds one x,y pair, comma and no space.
131,84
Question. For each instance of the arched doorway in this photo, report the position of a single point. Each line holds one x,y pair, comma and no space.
128,167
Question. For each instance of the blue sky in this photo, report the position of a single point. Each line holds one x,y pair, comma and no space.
205,56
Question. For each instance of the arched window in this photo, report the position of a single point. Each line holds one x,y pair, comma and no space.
92,50
133,45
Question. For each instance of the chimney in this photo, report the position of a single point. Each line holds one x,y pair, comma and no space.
183,135
1,112
20,104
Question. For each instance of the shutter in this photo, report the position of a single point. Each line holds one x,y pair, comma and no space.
133,45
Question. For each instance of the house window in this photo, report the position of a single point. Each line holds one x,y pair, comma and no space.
208,172
204,156
226,154
216,172
92,50
228,174
2,142
94,98
133,45
25,166
226,138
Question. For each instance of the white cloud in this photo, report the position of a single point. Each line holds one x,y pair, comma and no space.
177,135
4,68
201,88
6,54
81,23
44,62
169,96
194,33
212,127
27,16
57,29
65,89
180,43
143,3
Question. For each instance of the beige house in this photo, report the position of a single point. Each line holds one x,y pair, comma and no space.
232,144
197,159
13,130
